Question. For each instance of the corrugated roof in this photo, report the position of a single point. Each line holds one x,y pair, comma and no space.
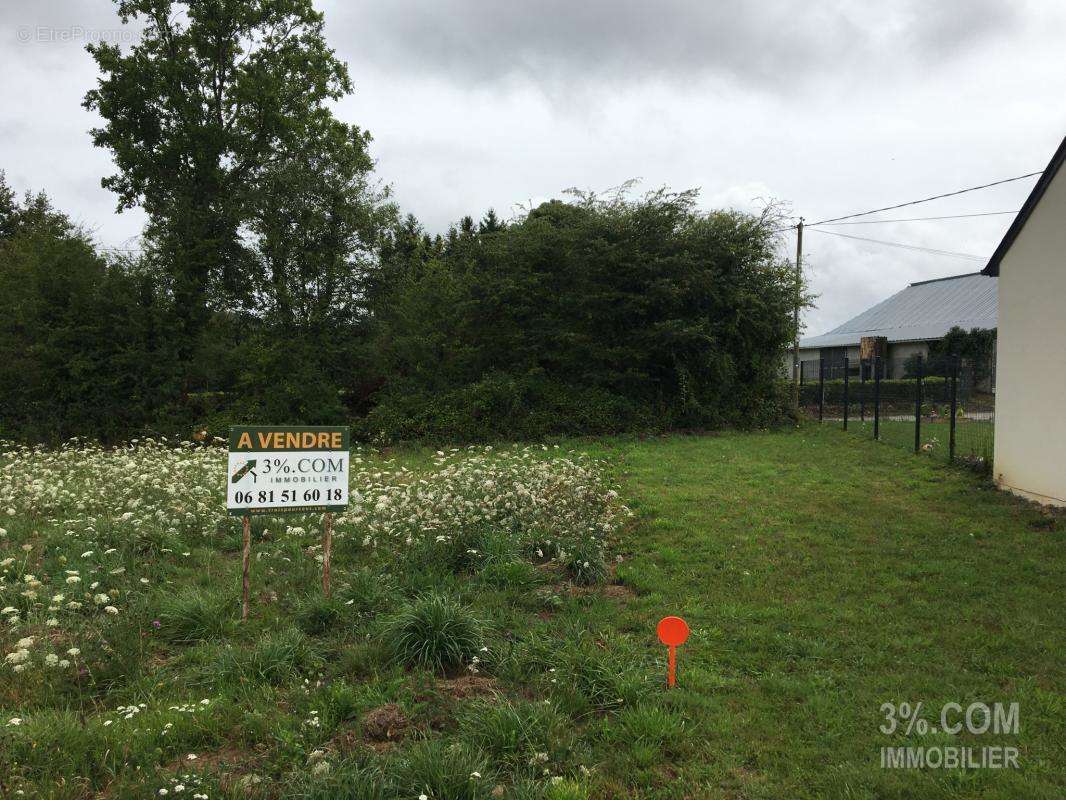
924,310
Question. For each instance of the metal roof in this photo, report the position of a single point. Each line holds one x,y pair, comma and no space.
924,310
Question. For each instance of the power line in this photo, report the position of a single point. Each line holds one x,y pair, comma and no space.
934,251
919,219
927,199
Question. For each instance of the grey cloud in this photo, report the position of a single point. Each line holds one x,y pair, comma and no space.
832,106
776,42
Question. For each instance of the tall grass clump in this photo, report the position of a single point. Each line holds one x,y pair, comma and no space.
522,735
648,730
341,782
316,614
439,770
594,681
433,631
193,614
276,658
584,563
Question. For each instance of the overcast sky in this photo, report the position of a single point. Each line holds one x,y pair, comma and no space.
829,107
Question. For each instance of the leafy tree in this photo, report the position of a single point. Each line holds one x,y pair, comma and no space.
976,349
585,316
85,344
215,95
314,240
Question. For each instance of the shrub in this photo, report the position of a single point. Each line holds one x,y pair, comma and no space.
591,316
453,771
433,631
193,614
894,391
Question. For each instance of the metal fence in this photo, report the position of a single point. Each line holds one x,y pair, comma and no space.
944,407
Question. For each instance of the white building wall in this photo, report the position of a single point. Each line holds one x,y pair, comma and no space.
1030,446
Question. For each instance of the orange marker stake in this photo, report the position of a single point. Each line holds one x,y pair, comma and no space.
672,632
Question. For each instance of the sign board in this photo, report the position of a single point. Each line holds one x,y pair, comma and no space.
871,347
287,469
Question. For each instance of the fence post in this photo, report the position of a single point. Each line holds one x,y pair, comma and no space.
954,406
821,388
846,398
877,397
918,408
862,391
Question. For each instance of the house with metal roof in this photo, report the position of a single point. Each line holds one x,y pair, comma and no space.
909,320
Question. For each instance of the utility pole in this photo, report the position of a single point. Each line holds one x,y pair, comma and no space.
796,318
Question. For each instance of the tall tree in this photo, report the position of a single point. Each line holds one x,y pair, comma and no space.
84,342
215,94
315,239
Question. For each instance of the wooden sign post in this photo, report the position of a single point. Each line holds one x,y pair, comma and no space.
327,546
277,470
246,524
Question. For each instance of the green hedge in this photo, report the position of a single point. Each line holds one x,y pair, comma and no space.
894,390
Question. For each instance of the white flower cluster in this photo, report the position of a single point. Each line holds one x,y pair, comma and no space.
187,785
101,517
20,658
534,491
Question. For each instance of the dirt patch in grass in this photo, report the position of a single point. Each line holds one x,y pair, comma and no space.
228,757
612,591
380,729
385,723
616,591
1049,520
469,686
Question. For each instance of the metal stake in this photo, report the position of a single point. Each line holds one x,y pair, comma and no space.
954,406
877,397
918,408
821,389
846,398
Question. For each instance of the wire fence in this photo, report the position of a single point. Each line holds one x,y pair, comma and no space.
942,406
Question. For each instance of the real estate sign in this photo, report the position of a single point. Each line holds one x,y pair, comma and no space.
287,469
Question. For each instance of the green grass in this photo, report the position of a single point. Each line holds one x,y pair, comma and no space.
822,575
973,438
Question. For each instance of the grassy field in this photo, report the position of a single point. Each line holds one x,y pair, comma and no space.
822,575
825,575
973,438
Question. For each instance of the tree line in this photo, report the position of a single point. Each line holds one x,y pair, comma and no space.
276,280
